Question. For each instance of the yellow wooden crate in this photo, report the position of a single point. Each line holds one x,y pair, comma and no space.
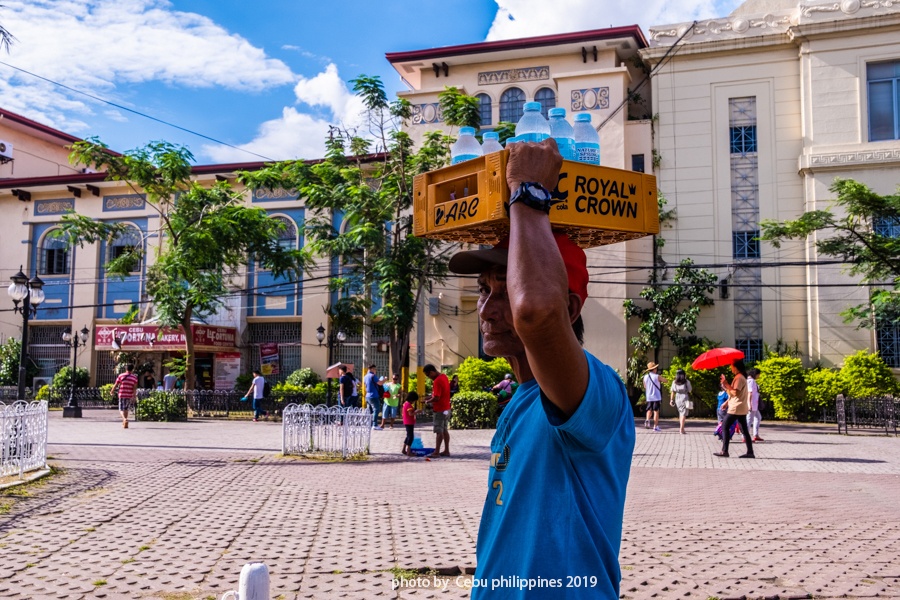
466,202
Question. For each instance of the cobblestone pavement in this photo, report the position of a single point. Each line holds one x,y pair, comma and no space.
173,510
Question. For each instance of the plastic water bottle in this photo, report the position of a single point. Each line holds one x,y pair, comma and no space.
532,127
587,140
466,147
562,132
491,142
511,140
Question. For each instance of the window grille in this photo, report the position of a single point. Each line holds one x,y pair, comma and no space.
752,349
287,237
743,139
47,350
274,332
547,98
888,338
746,244
485,102
512,105
106,367
125,243
886,226
883,84
54,256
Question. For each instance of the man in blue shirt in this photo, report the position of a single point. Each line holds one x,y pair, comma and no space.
561,456
373,399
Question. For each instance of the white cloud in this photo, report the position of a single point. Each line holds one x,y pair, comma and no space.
296,134
526,18
92,45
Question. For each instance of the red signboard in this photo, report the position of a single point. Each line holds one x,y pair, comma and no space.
156,338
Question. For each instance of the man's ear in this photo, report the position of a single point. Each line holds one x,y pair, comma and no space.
575,306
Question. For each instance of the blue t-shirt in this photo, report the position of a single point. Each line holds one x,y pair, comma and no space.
556,495
371,383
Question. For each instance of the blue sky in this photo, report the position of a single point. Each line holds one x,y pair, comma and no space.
267,76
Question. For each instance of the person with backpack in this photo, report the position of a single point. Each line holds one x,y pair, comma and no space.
126,384
348,387
680,396
653,391
260,389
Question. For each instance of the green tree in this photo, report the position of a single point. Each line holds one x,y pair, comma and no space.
852,236
10,353
459,109
207,234
63,377
374,193
474,373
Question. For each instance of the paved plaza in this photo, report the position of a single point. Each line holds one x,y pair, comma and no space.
173,510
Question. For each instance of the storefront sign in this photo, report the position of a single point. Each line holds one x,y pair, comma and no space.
268,358
228,367
130,338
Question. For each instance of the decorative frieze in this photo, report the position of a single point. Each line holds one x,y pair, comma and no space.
423,114
124,202
859,158
53,207
266,195
513,75
590,99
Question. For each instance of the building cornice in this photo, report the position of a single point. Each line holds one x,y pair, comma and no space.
855,159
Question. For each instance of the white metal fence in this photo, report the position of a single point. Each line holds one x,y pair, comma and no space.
23,437
325,430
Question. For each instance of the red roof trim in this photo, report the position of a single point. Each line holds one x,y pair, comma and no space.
38,126
633,31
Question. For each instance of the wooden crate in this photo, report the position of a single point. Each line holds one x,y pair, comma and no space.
467,203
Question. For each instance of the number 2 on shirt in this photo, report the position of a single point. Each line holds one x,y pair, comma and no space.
498,484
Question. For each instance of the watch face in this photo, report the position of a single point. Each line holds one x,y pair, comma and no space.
538,192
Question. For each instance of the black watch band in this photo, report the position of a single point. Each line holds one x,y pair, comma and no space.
533,195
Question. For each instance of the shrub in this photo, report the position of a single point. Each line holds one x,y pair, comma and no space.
162,406
865,374
429,385
317,394
781,377
63,378
822,386
474,410
242,382
476,374
10,352
43,394
304,377
107,395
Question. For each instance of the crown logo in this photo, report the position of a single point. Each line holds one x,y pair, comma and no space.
631,189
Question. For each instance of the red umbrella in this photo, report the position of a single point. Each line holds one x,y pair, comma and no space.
717,357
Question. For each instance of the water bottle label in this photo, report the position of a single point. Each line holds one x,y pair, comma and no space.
532,137
464,157
588,152
566,148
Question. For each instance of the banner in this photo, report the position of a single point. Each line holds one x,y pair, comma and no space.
268,358
228,367
152,338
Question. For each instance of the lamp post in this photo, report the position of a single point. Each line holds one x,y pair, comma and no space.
30,294
72,410
334,338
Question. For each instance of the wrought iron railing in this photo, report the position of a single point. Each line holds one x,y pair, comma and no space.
23,437
83,397
878,412
179,405
328,431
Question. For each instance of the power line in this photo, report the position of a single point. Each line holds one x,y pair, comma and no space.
98,99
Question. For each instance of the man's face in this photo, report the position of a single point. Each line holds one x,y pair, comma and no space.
495,315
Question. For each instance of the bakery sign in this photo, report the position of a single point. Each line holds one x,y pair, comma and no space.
160,339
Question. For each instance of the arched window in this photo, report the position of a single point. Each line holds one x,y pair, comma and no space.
547,98
287,237
126,243
485,102
54,255
512,105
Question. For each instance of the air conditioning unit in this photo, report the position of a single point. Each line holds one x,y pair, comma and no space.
6,150
40,382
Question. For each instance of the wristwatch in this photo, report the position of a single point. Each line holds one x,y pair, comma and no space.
533,195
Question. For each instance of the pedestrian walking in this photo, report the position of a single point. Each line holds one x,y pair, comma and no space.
738,407
561,454
373,396
391,400
126,384
653,390
680,396
409,422
169,381
440,404
348,394
258,389
754,417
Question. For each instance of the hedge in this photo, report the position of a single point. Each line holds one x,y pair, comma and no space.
474,410
160,406
781,378
865,374
304,377
476,374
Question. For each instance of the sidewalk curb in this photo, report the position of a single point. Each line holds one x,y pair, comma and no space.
33,476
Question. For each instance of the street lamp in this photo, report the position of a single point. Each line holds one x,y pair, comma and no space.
30,294
334,338
72,410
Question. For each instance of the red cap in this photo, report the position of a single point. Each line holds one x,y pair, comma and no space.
474,262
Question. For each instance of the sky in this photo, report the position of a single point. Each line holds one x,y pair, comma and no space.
267,77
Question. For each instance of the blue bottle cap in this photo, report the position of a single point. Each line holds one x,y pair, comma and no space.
557,112
492,135
511,140
466,131
533,106
583,117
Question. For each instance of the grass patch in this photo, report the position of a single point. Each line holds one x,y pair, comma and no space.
100,582
127,560
142,548
29,565
325,458
628,568
403,574
338,572
667,554
176,595
90,529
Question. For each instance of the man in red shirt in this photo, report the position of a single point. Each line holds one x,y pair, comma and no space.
126,383
440,404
